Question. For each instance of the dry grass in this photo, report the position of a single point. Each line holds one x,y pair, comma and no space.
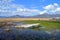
22,19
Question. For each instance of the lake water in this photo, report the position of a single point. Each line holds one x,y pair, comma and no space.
27,34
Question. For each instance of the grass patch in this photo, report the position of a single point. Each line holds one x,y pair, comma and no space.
49,25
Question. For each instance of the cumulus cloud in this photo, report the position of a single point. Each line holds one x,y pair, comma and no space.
58,9
6,1
52,8
8,7
42,12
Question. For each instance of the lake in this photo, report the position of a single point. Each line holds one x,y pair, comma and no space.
10,32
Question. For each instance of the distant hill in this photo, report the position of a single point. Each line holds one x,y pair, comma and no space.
46,16
3,17
16,16
36,16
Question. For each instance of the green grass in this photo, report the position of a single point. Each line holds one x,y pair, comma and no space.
49,25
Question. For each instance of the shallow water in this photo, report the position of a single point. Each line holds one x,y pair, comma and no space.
27,34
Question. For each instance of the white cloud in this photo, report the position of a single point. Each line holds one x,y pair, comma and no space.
55,4
6,1
49,7
42,12
8,7
27,11
52,8
58,9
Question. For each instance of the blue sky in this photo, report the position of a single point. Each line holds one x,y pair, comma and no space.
36,3
29,7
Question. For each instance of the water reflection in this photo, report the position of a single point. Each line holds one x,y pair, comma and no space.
10,32
27,35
